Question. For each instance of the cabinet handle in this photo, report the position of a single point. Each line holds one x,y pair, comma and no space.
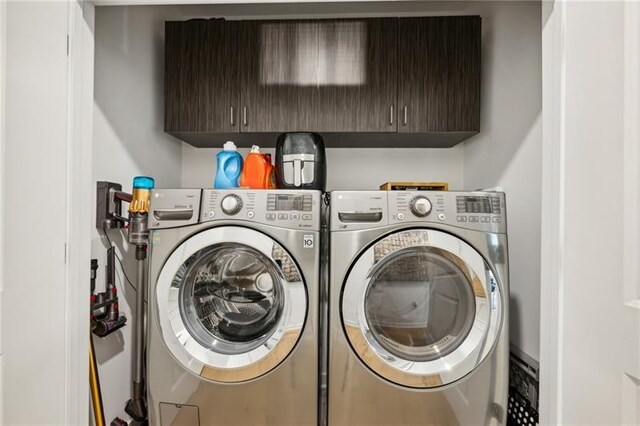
244,115
233,121
404,116
391,116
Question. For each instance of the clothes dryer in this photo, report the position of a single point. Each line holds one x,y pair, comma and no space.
418,308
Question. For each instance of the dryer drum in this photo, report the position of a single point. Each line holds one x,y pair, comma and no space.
418,310
419,304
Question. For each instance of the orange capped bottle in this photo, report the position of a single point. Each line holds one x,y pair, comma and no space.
258,172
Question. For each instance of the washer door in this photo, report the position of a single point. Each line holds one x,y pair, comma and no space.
421,308
231,304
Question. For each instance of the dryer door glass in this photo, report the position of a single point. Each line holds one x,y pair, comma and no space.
421,308
419,304
231,297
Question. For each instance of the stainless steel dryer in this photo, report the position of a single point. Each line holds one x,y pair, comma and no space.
418,308
233,307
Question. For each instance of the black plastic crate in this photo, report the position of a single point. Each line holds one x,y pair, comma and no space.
523,392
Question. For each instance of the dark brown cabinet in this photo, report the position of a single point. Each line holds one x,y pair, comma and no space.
279,75
357,77
360,82
439,74
201,77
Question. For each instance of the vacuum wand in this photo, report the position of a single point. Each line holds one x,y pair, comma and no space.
138,235
137,407
138,329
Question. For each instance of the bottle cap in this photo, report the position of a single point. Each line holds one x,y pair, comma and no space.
143,182
230,146
255,149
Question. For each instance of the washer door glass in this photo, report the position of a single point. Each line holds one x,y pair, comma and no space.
231,304
231,297
421,308
419,304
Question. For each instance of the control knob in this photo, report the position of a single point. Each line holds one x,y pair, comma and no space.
420,206
231,204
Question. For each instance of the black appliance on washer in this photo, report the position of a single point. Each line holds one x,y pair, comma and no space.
300,161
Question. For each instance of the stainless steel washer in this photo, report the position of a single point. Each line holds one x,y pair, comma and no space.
418,308
233,307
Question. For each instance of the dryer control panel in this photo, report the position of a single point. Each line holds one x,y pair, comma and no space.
481,211
351,210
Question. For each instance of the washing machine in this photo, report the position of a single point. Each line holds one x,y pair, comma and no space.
233,307
418,308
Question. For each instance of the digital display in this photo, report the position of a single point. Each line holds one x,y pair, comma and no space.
289,202
481,205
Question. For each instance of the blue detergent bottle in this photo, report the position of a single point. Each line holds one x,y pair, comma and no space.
229,167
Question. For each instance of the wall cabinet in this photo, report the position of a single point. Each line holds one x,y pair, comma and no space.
439,74
360,82
327,76
357,81
201,77
279,74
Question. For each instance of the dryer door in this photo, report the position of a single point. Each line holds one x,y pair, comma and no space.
231,304
421,308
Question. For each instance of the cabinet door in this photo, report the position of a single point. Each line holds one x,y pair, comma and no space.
279,75
358,75
439,74
201,87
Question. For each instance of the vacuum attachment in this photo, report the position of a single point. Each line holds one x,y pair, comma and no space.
105,315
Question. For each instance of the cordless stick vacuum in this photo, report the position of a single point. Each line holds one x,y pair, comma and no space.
109,199
138,235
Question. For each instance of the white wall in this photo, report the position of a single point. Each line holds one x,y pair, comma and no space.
35,371
590,358
349,168
45,163
3,81
127,141
507,152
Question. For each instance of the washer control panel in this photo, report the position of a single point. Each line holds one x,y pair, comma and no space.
285,208
420,206
231,204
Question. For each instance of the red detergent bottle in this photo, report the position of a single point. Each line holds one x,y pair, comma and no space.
258,172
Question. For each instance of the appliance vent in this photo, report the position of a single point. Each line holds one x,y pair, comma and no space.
523,391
